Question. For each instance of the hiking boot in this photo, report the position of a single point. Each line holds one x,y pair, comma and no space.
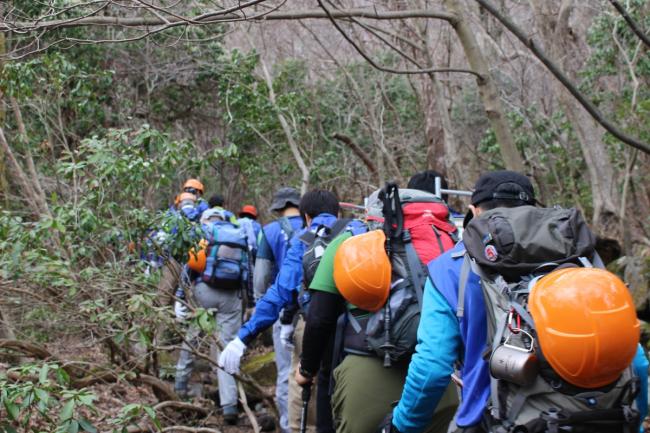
230,414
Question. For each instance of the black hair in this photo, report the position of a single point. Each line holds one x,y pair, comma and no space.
426,181
500,202
216,201
247,215
318,201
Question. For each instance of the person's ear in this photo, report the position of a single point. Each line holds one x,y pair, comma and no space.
475,210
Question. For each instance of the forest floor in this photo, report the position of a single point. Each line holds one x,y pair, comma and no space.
112,397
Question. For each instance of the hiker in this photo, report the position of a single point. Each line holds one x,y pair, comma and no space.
452,330
364,388
219,272
249,212
184,206
194,187
319,210
272,246
217,201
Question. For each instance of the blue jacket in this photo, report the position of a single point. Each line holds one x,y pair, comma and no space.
287,283
273,241
194,214
442,338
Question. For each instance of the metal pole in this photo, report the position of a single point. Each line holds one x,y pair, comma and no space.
306,394
456,192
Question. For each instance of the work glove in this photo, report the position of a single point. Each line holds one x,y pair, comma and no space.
387,425
230,358
286,336
181,311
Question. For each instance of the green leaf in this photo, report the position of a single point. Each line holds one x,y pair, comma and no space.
62,377
152,415
6,428
42,395
42,377
87,426
12,410
87,399
66,412
73,427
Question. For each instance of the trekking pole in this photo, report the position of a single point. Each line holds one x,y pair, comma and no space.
306,394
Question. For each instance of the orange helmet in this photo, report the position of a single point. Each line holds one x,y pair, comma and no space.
362,270
586,325
194,184
197,261
185,196
248,209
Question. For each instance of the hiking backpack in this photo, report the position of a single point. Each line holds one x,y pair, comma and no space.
227,263
316,242
509,248
418,229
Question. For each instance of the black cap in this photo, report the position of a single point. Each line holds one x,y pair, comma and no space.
284,197
503,185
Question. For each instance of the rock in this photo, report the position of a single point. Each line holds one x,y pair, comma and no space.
261,367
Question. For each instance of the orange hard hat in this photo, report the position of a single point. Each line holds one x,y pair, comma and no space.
185,196
194,183
197,261
586,325
362,270
248,209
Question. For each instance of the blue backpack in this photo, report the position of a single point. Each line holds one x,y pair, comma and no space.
227,263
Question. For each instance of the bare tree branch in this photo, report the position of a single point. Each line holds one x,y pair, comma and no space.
27,26
357,150
630,22
332,18
566,82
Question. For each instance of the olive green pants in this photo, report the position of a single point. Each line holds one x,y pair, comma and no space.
364,393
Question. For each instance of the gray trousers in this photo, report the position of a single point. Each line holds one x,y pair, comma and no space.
283,365
228,314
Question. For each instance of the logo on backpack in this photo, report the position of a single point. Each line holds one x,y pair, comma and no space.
491,253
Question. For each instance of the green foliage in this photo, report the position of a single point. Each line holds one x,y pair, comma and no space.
45,404
38,398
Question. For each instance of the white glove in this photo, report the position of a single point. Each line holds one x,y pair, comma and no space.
180,310
286,336
231,356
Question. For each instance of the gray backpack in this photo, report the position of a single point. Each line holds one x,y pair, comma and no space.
508,249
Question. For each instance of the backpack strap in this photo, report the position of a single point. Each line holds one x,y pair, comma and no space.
465,268
441,248
417,271
309,237
338,227
286,227
598,261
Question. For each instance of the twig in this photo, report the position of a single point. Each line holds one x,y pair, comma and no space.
247,409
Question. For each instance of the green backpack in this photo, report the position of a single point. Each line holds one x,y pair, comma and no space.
508,248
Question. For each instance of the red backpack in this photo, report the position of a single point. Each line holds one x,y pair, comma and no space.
427,219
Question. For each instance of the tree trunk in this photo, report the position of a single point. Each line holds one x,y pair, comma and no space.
563,45
487,89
